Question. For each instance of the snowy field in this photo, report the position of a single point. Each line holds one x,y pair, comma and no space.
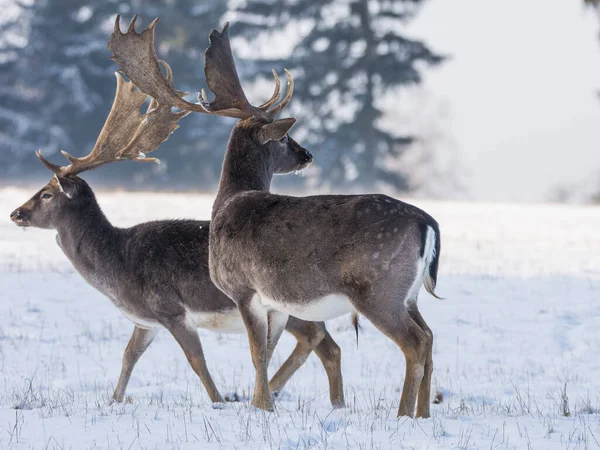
516,352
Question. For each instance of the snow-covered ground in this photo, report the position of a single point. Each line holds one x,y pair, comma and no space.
516,353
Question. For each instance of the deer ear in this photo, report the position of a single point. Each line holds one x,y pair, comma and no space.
275,130
66,186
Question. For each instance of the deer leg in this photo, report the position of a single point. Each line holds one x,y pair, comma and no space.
308,335
256,320
312,336
393,320
423,403
187,337
331,356
290,366
138,343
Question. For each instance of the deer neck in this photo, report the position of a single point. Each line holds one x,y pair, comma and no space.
244,169
87,238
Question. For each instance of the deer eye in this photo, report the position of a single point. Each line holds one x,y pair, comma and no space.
46,196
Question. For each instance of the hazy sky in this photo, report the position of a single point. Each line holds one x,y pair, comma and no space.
521,88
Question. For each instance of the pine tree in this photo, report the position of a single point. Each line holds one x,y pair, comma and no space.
53,82
350,57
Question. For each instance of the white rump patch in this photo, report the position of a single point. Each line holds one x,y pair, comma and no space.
429,254
423,263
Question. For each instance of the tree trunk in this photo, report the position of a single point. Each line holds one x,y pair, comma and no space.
366,160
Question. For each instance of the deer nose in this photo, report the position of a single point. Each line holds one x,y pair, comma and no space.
308,157
16,215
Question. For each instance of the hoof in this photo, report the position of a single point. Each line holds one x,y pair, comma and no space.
265,406
233,397
113,401
338,404
220,405
402,413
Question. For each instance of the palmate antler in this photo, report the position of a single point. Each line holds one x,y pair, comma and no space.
135,53
127,133
223,80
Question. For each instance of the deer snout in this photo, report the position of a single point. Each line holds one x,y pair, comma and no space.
17,216
308,157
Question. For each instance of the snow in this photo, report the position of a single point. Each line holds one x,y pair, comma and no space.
516,348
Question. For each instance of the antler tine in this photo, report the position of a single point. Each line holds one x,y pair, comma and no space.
152,24
154,103
117,27
132,24
288,96
57,170
275,95
69,157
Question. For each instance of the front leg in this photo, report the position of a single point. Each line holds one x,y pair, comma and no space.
256,320
138,343
186,335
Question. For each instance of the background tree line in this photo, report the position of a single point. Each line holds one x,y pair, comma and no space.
56,83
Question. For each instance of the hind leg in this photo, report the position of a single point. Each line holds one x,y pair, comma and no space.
423,403
331,356
308,335
391,317
312,336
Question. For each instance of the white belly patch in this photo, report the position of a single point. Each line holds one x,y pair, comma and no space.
229,322
140,322
323,308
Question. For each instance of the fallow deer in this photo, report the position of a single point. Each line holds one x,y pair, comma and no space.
312,257
156,273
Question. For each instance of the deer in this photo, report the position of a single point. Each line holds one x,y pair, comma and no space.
314,257
155,273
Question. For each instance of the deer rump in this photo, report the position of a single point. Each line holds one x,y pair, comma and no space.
307,256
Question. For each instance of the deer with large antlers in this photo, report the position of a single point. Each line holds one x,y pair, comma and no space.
312,257
156,273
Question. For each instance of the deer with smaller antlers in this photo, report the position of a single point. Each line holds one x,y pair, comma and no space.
156,273
315,257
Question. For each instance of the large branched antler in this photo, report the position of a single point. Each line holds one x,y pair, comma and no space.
223,80
127,133
135,53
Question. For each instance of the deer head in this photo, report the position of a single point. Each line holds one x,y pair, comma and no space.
127,134
47,207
